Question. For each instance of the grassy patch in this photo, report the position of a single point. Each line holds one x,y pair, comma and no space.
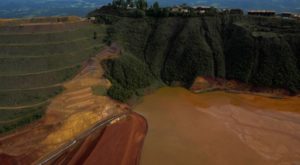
100,90
37,80
12,119
26,65
60,36
27,97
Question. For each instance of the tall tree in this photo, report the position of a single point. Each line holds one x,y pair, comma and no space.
115,3
156,9
141,4
129,2
123,3
156,6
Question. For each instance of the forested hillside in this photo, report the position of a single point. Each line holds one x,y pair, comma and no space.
256,50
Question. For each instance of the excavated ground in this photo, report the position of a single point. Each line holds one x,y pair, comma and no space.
119,143
68,115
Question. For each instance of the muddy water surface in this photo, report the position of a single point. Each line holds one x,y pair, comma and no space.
220,128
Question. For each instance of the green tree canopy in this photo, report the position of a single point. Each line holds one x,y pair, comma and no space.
141,4
156,6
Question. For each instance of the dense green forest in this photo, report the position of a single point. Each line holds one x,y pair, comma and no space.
263,51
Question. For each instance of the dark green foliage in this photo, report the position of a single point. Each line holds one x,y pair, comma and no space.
12,119
213,35
45,49
95,36
8,115
136,13
212,12
160,42
49,37
24,65
156,6
37,80
99,90
109,35
141,4
155,10
109,14
117,92
122,3
277,66
260,51
239,65
47,28
27,97
133,33
106,19
191,57
127,74
267,59
294,42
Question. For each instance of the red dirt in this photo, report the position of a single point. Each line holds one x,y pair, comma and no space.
117,144
210,83
6,159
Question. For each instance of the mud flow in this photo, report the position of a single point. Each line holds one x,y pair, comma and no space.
220,128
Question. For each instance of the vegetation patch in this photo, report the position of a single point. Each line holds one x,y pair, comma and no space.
12,119
175,50
100,90
28,97
128,74
37,80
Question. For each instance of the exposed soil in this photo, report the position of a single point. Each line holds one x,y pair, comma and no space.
220,128
68,115
203,84
117,144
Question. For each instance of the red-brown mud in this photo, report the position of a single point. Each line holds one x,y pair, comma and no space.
220,128
118,144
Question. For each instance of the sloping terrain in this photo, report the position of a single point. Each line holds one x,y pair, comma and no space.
117,143
260,51
36,57
72,115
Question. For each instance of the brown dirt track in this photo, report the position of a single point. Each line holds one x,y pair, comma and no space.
117,144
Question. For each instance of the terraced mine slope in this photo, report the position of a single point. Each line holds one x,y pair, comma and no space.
70,117
36,57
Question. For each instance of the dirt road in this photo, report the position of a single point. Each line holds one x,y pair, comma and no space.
117,144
